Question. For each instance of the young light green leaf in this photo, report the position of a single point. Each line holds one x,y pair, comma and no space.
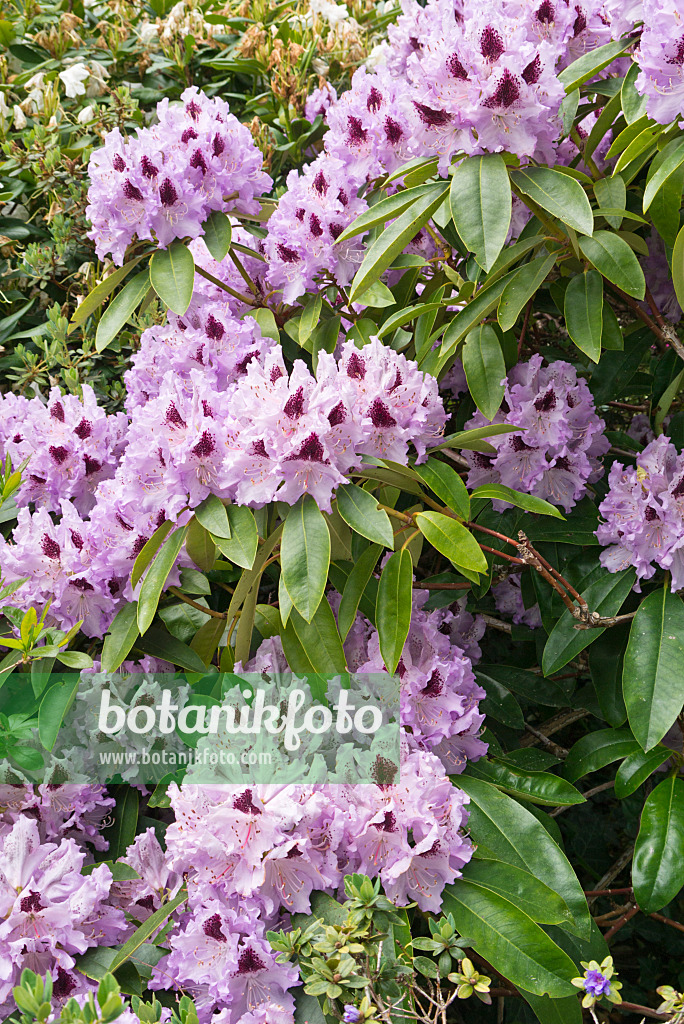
678,267
653,675
147,930
155,580
452,539
393,607
485,369
305,556
615,260
359,509
267,323
480,200
528,502
467,318
309,319
120,309
172,273
672,157
611,192
217,235
558,194
387,209
589,64
584,312
200,546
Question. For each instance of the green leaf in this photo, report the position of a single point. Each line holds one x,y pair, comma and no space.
528,502
354,588
658,866
508,939
211,513
521,288
480,200
596,750
672,157
612,257
554,1011
558,194
537,787
53,708
172,273
199,545
447,485
121,833
633,102
584,312
207,638
589,64
120,309
75,659
452,539
678,267
217,235
313,646
526,684
393,607
309,319
611,192
522,888
604,595
509,832
485,369
395,238
305,556
242,546
267,323
155,580
638,767
147,930
404,316
378,295
653,673
467,318
501,705
159,643
149,550
100,292
611,332
122,634
605,665
387,209
359,509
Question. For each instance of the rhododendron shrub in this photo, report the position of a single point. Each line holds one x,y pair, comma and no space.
413,410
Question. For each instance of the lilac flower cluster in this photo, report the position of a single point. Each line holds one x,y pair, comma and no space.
643,514
70,446
49,910
164,182
661,60
61,811
557,454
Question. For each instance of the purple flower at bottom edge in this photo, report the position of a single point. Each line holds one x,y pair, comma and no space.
351,1014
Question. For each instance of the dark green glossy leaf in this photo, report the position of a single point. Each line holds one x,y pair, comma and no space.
480,201
354,588
305,556
242,546
122,634
528,502
393,607
584,312
217,234
522,888
638,767
120,309
313,646
155,580
616,261
522,287
558,194
658,866
54,707
596,750
172,273
447,485
485,369
537,787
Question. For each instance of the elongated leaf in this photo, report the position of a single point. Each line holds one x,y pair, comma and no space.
537,787
386,209
524,683
521,288
653,673
393,607
305,556
309,318
596,750
447,485
354,588
611,192
217,234
147,930
658,866
474,440
313,646
638,767
121,833
554,1011
584,312
404,316
605,595
155,580
589,64
359,509
528,502
615,260
242,546
100,292
267,323
481,205
530,895
678,267
501,705
172,273
120,309
485,369
466,319
452,539
149,550
200,546
508,939
53,709
633,102
508,832
159,643
672,159
395,238
122,634
558,194
211,513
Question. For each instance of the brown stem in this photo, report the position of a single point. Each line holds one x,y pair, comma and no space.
627,916
224,287
503,627
589,793
195,604
441,586
608,892
628,406
502,554
668,920
526,321
545,741
643,1010
662,336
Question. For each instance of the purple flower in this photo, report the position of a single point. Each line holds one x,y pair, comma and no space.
351,1015
661,60
596,984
